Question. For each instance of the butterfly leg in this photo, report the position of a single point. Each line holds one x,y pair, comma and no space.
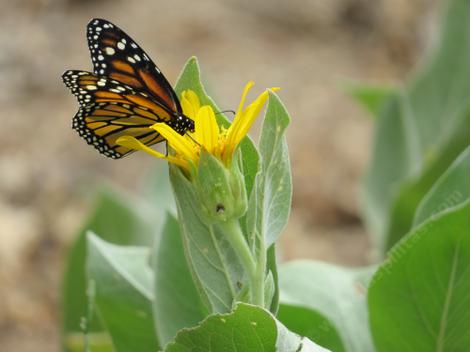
195,141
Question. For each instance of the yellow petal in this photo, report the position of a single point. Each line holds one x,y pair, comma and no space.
179,143
238,117
244,120
134,144
247,88
190,104
249,116
207,129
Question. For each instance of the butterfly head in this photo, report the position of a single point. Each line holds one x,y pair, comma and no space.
181,123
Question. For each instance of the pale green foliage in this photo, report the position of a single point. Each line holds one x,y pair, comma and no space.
335,297
420,130
270,203
418,299
179,284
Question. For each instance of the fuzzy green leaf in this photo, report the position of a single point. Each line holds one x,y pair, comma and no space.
418,299
452,189
272,268
269,204
97,342
117,221
215,267
310,323
424,128
336,299
247,328
372,98
157,196
177,303
123,296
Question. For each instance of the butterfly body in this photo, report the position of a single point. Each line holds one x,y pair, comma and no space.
124,96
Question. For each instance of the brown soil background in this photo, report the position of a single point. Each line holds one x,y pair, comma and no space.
310,48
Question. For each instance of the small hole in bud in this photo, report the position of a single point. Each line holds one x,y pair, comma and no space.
219,208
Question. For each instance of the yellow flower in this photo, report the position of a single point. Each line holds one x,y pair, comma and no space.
207,135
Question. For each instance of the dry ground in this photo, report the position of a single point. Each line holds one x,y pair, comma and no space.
310,48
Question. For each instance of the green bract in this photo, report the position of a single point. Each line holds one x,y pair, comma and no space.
220,190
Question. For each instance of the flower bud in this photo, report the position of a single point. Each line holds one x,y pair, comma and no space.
221,190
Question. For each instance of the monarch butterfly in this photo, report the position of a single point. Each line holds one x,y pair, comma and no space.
125,94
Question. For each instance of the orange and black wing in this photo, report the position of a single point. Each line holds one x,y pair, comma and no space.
116,55
110,109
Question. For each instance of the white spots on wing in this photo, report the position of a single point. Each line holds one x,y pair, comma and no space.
146,58
114,90
100,57
95,37
91,87
123,40
109,51
137,57
130,59
103,65
98,29
134,45
121,46
101,83
106,25
157,69
101,72
121,88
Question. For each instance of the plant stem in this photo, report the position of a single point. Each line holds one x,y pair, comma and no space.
255,270
260,274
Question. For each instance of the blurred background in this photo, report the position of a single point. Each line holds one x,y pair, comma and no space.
310,48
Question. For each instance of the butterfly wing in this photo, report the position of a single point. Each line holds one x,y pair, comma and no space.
109,109
116,55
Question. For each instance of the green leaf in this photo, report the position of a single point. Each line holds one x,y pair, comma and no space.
418,299
269,204
452,189
272,268
335,296
372,98
157,195
420,133
247,328
190,78
114,217
123,285
98,342
214,265
177,303
413,190
309,323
